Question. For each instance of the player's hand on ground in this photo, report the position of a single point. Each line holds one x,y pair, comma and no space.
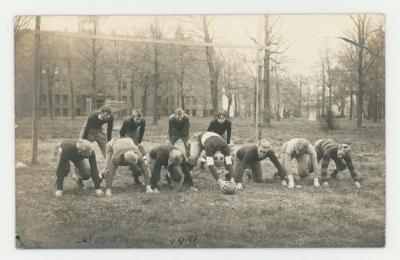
284,183
325,184
316,182
108,193
358,185
239,186
155,190
59,193
99,192
221,184
193,189
148,189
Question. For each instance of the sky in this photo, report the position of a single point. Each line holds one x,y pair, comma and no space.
305,36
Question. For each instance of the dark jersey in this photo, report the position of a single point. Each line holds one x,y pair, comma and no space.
94,122
178,127
248,154
70,153
212,142
221,128
161,155
129,126
327,149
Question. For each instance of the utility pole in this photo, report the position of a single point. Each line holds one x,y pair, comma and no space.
36,86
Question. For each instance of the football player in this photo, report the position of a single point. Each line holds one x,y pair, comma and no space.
328,149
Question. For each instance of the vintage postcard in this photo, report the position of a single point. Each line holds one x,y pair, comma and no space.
200,131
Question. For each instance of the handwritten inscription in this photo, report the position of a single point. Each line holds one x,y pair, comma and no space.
184,240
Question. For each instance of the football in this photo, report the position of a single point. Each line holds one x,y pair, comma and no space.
230,188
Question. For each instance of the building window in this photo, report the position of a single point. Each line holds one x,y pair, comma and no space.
43,112
44,99
65,111
124,84
65,99
187,111
57,99
57,112
78,112
194,102
125,99
194,112
78,99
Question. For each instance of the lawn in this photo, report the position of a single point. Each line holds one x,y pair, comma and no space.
263,215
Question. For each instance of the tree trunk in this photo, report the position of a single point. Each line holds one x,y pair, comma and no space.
300,94
342,105
50,92
36,85
94,68
211,67
323,90
71,87
351,103
267,102
360,94
156,82
132,93
144,98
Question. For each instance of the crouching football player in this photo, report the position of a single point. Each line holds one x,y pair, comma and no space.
81,154
327,150
174,162
250,156
211,143
121,151
304,153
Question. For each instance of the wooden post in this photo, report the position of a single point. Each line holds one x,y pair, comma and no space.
36,86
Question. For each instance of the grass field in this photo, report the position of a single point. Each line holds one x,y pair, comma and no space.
263,215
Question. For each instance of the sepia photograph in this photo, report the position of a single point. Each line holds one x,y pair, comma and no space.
200,131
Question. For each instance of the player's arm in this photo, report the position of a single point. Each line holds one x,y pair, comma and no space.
122,131
62,170
228,132
350,165
141,130
170,126
109,154
186,128
88,125
110,127
278,166
313,158
210,127
94,172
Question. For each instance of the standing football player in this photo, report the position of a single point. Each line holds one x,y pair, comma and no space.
222,126
250,156
134,127
93,127
178,128
304,153
328,149
81,154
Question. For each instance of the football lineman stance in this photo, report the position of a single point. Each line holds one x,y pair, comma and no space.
250,156
121,151
93,128
328,149
178,128
221,125
134,128
81,154
304,153
211,143
174,162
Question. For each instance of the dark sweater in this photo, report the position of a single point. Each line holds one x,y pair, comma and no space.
161,155
178,127
94,122
221,128
248,154
130,125
70,153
